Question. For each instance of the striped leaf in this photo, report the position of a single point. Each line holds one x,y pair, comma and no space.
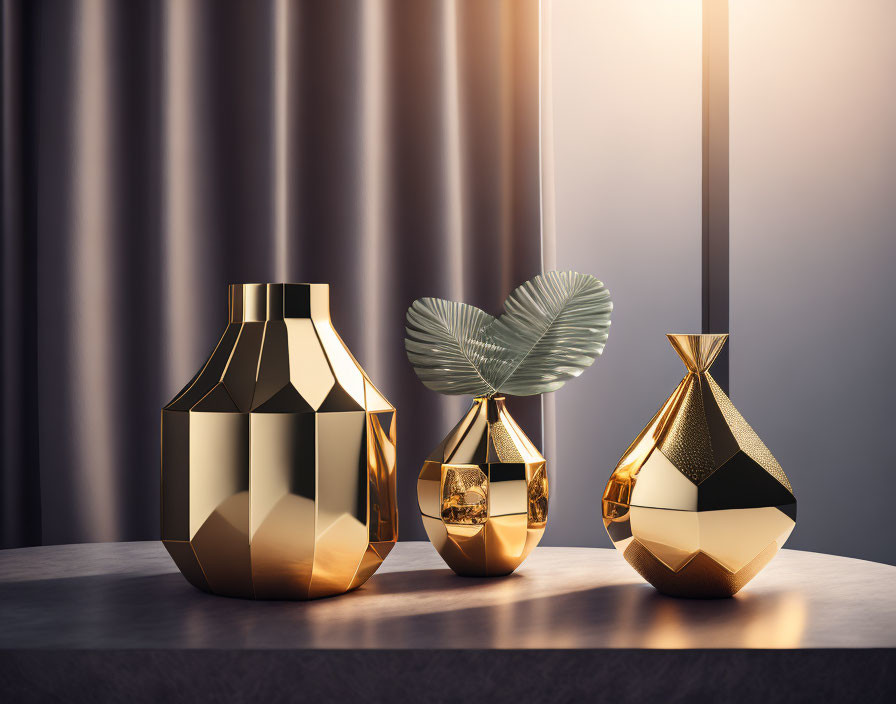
445,344
553,328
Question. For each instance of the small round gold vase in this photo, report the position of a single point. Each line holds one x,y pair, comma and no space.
698,505
483,493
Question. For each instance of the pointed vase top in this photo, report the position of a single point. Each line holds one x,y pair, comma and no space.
698,352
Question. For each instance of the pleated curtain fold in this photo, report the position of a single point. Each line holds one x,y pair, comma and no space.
156,151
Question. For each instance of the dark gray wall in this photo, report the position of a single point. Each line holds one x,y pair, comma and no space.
813,244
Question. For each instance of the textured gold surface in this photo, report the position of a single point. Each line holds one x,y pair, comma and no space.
483,493
505,449
278,459
697,504
686,441
746,438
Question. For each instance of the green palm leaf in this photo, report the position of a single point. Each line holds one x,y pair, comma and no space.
554,327
445,344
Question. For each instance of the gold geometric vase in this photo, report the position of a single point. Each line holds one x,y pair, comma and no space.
483,493
278,459
698,505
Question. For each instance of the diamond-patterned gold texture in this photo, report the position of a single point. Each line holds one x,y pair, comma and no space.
697,504
483,493
278,459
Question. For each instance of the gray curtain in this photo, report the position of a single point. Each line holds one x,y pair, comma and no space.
155,151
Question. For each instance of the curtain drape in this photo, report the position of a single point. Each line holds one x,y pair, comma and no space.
155,151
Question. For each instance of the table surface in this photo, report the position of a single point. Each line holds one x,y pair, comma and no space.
130,595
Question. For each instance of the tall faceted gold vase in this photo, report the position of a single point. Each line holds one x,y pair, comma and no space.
278,459
698,505
483,493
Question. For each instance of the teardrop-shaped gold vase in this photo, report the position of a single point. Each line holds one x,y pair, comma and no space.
698,505
483,493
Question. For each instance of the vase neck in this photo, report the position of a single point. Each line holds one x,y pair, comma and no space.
493,406
698,352
259,302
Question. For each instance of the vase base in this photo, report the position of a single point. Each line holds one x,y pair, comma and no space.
701,578
265,586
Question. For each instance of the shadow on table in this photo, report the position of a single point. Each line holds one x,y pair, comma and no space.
413,609
613,616
433,580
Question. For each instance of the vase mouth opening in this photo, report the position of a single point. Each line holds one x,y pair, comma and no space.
277,301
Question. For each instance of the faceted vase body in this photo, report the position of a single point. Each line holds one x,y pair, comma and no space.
698,505
483,493
278,459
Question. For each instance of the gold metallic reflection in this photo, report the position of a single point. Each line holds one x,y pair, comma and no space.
776,620
483,493
278,460
698,505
